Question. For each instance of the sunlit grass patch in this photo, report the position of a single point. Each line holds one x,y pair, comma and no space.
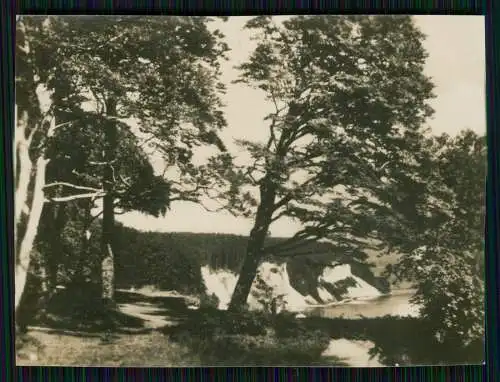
144,350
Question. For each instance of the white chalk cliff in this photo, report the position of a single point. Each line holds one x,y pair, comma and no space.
222,282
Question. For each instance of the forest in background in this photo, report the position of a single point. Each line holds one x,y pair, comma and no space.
172,261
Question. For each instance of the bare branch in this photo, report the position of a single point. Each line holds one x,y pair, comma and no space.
96,216
125,180
251,169
113,173
99,100
55,184
75,197
272,137
53,127
102,163
279,216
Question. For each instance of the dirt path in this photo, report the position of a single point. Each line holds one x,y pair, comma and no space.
148,313
154,314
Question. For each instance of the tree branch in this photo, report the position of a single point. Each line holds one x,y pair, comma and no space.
283,201
55,184
301,235
125,180
102,163
75,197
305,253
289,197
53,127
96,216
99,100
279,216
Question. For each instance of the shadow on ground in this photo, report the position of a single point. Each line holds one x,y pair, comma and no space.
209,337
79,314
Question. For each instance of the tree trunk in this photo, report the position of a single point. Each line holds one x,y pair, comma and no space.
28,215
247,275
23,256
23,168
254,248
54,218
51,227
57,248
108,214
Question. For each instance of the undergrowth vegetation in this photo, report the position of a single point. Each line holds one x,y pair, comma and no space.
250,338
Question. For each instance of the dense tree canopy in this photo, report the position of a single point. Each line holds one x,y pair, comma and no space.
350,98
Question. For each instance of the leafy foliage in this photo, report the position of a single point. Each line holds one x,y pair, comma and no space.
350,97
271,303
162,72
446,262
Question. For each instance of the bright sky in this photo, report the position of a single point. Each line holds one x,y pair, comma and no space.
456,63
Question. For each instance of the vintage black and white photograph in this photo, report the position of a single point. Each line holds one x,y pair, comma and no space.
249,190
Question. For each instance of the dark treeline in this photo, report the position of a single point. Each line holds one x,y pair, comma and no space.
173,260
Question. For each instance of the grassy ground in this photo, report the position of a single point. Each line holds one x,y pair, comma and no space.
162,331
156,349
128,350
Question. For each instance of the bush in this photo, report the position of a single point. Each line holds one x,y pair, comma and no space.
250,338
209,322
265,295
287,326
267,349
209,301
451,293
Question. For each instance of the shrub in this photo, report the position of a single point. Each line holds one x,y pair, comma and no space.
208,323
451,293
286,326
250,338
264,294
209,301
267,349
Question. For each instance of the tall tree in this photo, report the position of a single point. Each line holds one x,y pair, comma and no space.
35,128
153,77
77,159
350,98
